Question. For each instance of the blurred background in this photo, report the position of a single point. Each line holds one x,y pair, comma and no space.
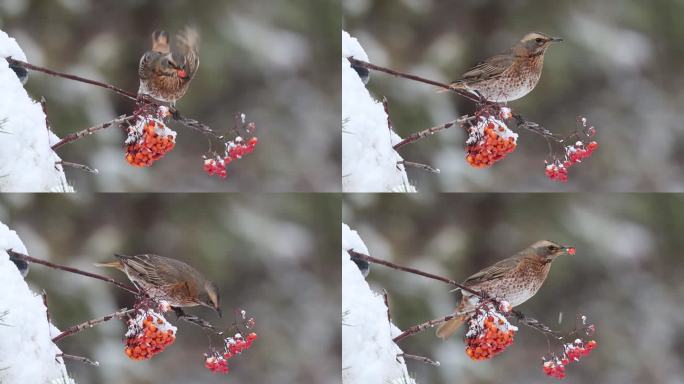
626,277
620,66
256,57
270,255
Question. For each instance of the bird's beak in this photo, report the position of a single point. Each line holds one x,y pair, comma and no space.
556,39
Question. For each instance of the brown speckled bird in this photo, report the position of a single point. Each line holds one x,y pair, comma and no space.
164,278
165,73
514,280
510,75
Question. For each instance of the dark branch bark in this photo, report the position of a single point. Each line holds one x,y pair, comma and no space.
30,259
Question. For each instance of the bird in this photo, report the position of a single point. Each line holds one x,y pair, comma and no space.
165,73
515,280
171,280
510,75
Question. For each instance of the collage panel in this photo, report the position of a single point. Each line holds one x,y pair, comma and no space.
500,96
587,287
179,96
259,298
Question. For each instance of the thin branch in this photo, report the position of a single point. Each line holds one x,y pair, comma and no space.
26,65
89,131
412,330
74,329
195,125
81,359
82,167
196,320
392,72
30,259
424,167
45,303
430,131
419,358
373,260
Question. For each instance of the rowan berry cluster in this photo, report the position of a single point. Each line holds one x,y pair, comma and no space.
489,139
148,334
149,139
554,366
217,362
235,150
557,169
489,332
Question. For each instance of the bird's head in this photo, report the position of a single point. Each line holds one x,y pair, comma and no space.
535,43
175,64
547,251
210,297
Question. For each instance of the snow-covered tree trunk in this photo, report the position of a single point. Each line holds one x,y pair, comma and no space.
369,163
27,353
368,353
27,162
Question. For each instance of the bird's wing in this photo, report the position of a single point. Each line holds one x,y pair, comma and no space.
493,272
489,68
143,267
144,69
187,44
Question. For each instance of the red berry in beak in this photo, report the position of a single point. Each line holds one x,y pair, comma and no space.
182,74
571,251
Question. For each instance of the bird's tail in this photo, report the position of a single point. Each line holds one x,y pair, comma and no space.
450,327
160,41
114,264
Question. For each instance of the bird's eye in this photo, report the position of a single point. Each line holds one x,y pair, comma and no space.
539,40
552,248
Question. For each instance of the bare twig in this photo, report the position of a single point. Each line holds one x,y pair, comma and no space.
412,330
74,329
89,131
45,303
385,297
373,260
430,131
30,259
26,65
196,320
195,125
43,104
419,358
82,359
392,72
82,167
424,167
